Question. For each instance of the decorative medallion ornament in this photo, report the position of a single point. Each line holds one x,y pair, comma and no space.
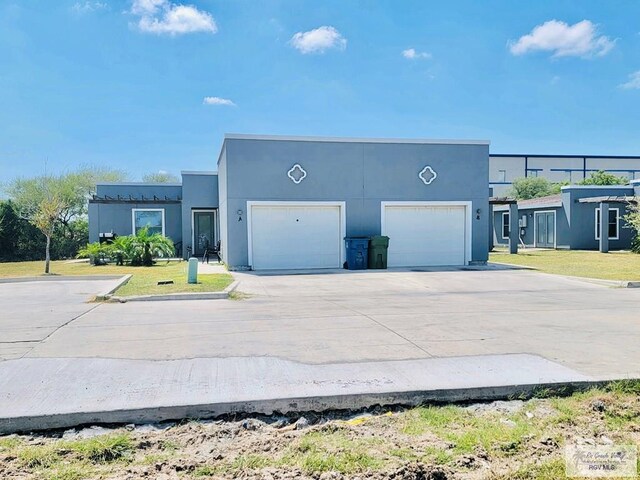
427,175
297,173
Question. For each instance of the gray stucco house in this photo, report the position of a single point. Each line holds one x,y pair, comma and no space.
571,219
288,202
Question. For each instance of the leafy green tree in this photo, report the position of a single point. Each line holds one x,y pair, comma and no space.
160,177
70,193
19,240
633,221
603,178
9,228
42,201
531,187
76,188
67,240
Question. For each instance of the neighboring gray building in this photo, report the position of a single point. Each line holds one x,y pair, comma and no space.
288,202
571,220
505,168
185,212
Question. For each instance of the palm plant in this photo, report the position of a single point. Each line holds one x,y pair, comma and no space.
138,250
121,249
96,252
144,247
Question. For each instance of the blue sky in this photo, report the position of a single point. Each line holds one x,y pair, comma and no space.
149,85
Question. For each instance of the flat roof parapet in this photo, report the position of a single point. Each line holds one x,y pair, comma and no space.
302,138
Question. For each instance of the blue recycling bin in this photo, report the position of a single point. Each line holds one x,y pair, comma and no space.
357,251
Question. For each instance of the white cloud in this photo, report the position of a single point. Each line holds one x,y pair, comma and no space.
147,7
318,40
412,54
634,81
163,17
80,8
218,101
578,40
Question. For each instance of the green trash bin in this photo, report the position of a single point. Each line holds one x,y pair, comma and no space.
378,246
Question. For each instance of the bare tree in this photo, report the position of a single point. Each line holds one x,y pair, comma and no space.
44,218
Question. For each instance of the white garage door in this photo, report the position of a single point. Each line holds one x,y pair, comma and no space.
425,235
296,236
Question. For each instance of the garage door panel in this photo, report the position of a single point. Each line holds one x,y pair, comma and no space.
290,237
426,235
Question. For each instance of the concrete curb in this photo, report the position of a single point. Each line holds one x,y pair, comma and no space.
600,281
53,278
178,296
597,281
607,283
518,267
107,294
286,406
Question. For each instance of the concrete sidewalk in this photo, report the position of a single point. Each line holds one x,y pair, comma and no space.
79,391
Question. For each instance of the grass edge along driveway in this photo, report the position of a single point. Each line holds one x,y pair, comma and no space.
144,280
619,265
513,440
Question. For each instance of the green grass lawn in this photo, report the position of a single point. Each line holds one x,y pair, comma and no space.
143,282
578,263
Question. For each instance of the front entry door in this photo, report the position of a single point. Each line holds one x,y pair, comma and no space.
545,229
203,231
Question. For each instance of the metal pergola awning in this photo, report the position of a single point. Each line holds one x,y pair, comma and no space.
502,201
134,199
609,199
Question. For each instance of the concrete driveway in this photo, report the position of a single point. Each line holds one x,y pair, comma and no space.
343,317
30,312
370,338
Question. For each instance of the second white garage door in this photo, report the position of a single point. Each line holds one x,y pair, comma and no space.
296,236
425,235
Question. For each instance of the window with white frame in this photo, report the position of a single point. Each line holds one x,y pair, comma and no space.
502,176
614,223
505,224
152,218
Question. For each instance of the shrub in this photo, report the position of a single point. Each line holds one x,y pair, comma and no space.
137,250
633,221
141,248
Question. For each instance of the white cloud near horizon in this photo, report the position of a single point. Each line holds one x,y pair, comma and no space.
218,101
165,18
563,40
318,40
413,54
633,83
